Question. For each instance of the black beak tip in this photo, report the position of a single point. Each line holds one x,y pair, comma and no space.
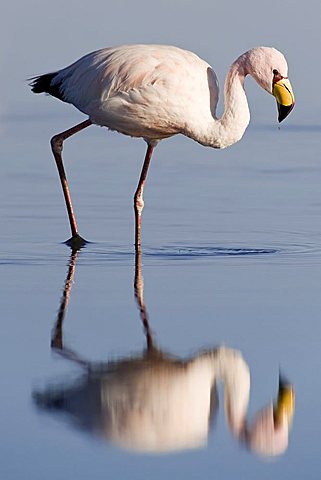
284,111
283,381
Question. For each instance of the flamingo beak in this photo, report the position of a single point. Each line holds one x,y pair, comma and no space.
282,90
284,408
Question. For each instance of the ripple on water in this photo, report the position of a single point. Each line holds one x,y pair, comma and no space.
190,252
291,248
270,247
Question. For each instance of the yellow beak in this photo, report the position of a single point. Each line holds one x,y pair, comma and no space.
284,408
282,90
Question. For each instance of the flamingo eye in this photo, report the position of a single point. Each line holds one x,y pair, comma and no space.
276,77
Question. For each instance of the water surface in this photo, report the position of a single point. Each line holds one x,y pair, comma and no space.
230,257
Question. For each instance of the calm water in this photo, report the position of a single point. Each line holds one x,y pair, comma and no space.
231,256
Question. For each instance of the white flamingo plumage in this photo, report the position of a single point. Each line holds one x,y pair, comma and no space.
156,91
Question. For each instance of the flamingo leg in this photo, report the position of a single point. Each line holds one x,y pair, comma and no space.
57,145
138,197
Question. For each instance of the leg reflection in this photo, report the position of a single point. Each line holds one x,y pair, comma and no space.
139,295
57,342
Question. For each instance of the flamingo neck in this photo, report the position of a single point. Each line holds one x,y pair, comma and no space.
229,129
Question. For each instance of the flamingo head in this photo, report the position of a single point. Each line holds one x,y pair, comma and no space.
269,68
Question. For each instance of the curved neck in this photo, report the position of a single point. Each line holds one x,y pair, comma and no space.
236,116
230,128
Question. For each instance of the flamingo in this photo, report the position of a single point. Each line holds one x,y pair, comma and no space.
155,92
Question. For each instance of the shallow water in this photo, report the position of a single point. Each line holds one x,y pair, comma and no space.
231,255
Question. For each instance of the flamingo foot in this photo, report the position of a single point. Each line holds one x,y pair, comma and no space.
76,242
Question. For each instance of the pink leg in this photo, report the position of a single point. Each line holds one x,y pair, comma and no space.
138,198
57,145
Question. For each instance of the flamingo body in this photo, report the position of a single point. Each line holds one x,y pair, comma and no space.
156,91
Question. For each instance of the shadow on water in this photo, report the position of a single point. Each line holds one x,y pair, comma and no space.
155,402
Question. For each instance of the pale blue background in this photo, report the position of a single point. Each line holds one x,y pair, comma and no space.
263,193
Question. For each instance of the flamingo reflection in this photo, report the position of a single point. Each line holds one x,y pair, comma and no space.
155,402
